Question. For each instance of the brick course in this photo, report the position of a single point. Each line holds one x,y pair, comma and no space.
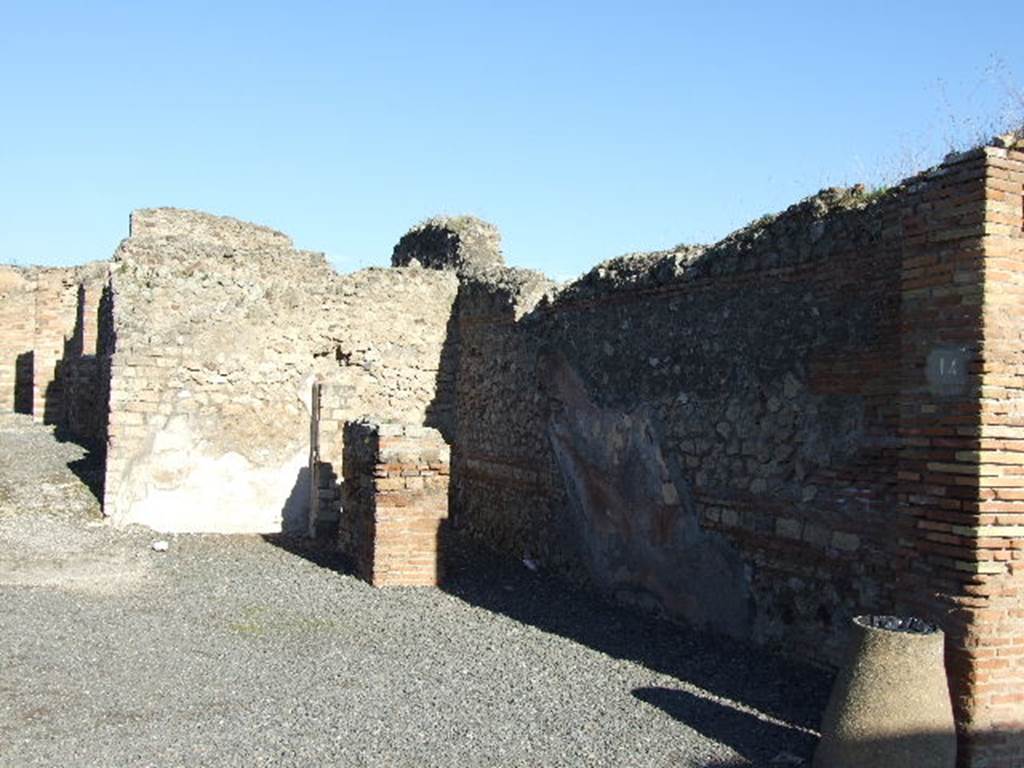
396,501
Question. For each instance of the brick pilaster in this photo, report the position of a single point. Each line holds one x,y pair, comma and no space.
396,499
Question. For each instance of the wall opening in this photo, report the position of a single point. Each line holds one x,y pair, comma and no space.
24,372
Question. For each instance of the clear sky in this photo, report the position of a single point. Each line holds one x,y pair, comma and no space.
582,129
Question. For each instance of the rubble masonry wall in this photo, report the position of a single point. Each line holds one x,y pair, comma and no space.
812,419
219,338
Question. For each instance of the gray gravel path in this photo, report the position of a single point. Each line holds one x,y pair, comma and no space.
246,651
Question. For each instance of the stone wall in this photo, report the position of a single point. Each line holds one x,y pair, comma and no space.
222,231
396,500
55,320
219,338
214,343
705,432
505,483
770,435
394,359
461,243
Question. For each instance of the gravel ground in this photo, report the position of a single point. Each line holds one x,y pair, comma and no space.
251,651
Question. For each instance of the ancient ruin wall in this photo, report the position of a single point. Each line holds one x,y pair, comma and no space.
219,338
461,243
212,345
817,417
48,349
84,368
393,359
505,484
809,420
17,318
223,231
987,531
55,320
705,432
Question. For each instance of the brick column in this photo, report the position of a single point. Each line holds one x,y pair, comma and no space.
993,602
942,224
961,468
395,501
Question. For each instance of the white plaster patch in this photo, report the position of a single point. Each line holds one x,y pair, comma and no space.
179,487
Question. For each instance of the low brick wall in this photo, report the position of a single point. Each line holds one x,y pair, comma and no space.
396,500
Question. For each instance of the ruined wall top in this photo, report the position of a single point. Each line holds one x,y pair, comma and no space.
12,278
462,243
197,225
805,232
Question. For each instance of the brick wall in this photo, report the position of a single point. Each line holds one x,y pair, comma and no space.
396,500
55,319
17,318
48,361
941,570
958,471
988,530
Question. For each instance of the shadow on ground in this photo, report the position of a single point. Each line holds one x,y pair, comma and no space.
316,551
758,740
90,468
791,694
787,691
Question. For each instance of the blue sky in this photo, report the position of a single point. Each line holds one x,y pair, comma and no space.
582,129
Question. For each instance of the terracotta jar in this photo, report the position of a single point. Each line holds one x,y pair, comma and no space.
890,705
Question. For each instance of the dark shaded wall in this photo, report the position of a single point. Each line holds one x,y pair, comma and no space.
84,368
56,314
709,433
460,243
